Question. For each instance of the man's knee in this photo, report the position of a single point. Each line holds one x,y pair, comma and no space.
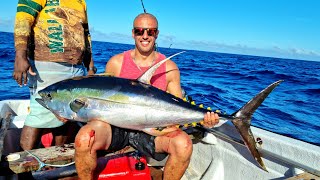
93,136
181,144
82,138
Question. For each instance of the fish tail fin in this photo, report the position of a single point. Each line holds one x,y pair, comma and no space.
242,121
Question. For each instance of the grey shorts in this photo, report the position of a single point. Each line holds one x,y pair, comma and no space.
141,141
47,74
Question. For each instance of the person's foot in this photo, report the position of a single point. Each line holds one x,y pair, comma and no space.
156,172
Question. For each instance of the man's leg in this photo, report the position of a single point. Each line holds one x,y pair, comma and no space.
96,135
60,134
179,147
29,137
65,133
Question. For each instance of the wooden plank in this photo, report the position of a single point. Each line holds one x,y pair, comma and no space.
304,175
55,155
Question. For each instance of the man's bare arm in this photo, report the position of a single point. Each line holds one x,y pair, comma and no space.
113,66
173,79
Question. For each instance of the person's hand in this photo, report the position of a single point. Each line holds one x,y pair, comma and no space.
91,72
21,66
210,119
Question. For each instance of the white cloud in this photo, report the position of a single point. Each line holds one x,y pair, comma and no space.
272,51
6,25
97,35
303,52
167,38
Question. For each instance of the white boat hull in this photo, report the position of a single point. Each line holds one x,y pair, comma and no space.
284,157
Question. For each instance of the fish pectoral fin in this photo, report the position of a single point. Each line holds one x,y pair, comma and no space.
84,102
77,104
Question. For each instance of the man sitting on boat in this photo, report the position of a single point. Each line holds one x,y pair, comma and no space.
99,135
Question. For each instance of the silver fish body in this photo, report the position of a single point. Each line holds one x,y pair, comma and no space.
120,102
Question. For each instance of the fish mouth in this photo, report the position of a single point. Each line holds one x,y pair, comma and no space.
42,103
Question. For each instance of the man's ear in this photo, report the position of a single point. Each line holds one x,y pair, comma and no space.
157,34
132,33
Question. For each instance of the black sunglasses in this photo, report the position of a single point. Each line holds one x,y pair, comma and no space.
140,31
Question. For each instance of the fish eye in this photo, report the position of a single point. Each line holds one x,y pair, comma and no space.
46,96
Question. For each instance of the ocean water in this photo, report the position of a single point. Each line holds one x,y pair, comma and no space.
222,81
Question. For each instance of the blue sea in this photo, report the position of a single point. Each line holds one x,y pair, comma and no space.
222,81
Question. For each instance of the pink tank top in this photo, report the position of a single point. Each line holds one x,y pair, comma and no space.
130,70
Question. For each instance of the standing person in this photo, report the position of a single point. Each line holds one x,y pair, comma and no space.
171,141
52,43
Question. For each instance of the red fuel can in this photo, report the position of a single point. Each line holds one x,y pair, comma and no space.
126,167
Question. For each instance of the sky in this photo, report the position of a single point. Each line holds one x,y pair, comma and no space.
272,28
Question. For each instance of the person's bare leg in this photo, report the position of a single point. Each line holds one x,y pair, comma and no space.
29,137
60,134
60,140
65,133
96,135
179,147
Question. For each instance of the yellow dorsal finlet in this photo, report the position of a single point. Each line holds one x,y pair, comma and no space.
194,124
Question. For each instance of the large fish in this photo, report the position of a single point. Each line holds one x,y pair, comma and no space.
134,104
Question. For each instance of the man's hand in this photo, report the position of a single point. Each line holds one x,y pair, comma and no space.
210,119
91,72
21,66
